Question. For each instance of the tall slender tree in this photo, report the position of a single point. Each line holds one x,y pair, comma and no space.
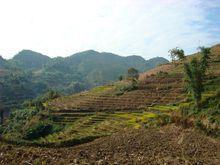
1,104
194,80
195,74
205,56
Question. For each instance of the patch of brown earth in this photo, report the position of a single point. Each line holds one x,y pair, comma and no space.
154,71
168,145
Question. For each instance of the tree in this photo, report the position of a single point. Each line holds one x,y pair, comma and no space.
132,73
176,54
194,76
1,115
205,53
120,78
1,105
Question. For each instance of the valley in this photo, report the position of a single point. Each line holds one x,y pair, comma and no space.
148,121
110,82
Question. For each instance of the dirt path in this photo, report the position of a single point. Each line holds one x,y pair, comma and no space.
169,145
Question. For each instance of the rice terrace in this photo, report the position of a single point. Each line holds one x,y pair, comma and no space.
101,108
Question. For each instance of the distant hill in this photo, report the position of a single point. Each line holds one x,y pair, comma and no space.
89,68
28,59
2,62
98,68
82,62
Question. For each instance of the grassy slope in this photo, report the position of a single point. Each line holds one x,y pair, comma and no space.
89,115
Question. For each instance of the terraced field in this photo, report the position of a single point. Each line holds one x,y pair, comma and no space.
152,91
102,111
81,127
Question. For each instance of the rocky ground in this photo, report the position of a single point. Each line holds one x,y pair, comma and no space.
167,145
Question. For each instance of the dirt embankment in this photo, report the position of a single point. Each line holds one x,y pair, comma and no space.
168,145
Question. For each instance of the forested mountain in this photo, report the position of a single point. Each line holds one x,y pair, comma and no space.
28,59
29,73
97,68
2,62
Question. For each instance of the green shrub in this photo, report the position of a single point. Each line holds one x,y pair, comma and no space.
57,128
18,119
198,124
162,74
211,119
39,130
122,88
164,119
1,129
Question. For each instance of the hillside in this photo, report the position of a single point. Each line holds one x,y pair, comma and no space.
96,68
29,60
157,99
2,62
122,123
30,74
177,68
160,86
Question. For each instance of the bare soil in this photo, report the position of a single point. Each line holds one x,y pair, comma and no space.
167,145
163,68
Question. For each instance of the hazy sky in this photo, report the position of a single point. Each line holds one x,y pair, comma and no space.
142,27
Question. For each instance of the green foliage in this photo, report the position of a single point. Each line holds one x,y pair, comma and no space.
17,87
177,53
19,118
205,53
27,59
162,74
132,73
198,124
194,78
1,129
126,87
41,129
195,75
2,62
101,89
40,100
211,108
29,124
120,78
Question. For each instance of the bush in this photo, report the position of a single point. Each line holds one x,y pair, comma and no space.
198,124
1,129
121,89
38,102
39,130
163,120
18,119
162,74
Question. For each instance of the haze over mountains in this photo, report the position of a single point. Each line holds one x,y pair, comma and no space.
30,73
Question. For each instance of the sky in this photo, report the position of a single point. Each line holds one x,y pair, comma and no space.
148,28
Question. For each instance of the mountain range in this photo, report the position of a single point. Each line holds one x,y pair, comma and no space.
35,73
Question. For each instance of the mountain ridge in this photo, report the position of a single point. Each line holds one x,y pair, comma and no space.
34,73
